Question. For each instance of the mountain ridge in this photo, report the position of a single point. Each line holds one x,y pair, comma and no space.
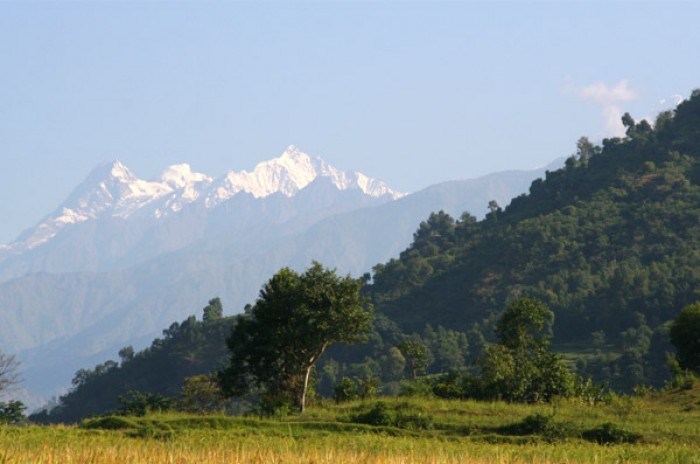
111,189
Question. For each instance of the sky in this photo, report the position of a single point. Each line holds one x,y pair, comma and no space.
412,93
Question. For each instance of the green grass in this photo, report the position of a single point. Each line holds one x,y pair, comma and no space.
665,428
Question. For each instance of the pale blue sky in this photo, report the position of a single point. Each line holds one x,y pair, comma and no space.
413,93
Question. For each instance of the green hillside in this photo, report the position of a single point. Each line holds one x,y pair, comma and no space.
611,243
190,348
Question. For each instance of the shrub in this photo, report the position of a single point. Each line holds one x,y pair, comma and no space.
139,404
274,405
156,431
401,415
109,423
421,387
12,412
201,394
367,389
610,433
542,425
345,390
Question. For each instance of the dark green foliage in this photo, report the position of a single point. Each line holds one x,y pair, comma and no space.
542,425
213,311
588,392
610,434
399,415
139,404
521,367
276,344
367,389
416,354
525,323
274,404
613,236
685,336
345,390
12,412
421,387
456,385
186,349
109,423
201,394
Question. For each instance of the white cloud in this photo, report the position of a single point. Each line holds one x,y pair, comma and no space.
601,93
609,98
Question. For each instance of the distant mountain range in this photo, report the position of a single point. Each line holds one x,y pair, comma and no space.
114,219
122,257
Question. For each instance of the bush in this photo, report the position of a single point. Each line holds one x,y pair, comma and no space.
345,390
12,412
156,431
590,393
278,406
109,423
201,394
139,404
542,425
422,388
367,389
401,415
610,433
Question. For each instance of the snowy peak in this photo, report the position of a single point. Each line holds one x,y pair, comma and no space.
181,175
288,174
112,190
292,171
121,173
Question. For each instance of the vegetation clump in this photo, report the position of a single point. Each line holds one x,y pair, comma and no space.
542,425
401,415
12,412
610,433
685,336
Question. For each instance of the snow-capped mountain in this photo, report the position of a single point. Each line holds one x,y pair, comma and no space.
289,174
123,257
112,191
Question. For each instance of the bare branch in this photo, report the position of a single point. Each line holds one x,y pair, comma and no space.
9,377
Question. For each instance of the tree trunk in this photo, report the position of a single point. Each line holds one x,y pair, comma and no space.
302,403
312,362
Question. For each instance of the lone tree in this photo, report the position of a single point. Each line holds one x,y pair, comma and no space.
522,368
685,336
8,373
275,344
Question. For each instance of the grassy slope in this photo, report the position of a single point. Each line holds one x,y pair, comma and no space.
462,431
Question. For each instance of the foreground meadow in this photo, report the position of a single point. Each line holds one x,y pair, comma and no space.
659,430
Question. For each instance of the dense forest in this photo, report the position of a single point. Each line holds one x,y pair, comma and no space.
610,244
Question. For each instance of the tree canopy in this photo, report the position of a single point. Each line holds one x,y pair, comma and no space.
276,343
521,367
685,336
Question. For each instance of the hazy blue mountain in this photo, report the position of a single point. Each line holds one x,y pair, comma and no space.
132,276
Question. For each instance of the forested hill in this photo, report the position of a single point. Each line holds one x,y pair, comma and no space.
611,242
192,347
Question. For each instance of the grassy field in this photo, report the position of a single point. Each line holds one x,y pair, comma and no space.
658,429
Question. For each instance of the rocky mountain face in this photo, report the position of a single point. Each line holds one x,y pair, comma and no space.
122,257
